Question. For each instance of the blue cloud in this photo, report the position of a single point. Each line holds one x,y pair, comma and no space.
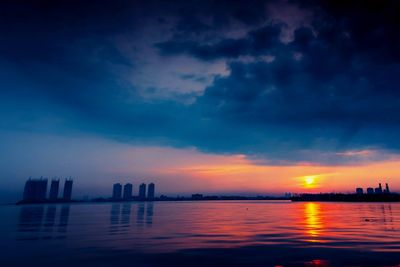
333,87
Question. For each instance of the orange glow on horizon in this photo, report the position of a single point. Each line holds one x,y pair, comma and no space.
199,172
240,173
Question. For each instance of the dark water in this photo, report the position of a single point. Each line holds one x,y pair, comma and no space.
220,233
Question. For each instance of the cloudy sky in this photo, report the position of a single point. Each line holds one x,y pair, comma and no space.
243,97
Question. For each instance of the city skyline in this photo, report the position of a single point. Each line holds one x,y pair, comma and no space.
299,184
261,98
35,191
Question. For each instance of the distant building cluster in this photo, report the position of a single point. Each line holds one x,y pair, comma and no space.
197,196
377,190
127,192
288,195
36,190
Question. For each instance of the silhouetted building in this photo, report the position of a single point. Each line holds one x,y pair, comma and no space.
197,196
359,191
378,190
117,191
128,191
35,189
54,187
370,190
163,197
28,190
142,191
151,191
387,191
67,194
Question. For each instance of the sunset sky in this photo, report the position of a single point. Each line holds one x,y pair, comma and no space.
213,97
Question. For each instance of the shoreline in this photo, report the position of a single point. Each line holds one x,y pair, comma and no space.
304,198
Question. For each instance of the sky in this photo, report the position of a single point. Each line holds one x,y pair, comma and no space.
213,97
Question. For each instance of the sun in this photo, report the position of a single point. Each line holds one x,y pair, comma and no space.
309,181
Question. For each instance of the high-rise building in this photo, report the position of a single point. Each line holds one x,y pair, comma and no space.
41,189
54,186
35,189
68,189
28,190
359,191
142,191
378,190
117,191
151,191
128,191
387,191
370,190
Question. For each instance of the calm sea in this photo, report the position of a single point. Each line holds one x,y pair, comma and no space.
202,233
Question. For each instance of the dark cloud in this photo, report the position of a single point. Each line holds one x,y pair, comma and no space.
259,42
371,25
333,86
195,17
342,86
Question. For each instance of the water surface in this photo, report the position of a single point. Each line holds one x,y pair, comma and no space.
201,233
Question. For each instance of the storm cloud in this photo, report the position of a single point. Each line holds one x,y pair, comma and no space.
282,90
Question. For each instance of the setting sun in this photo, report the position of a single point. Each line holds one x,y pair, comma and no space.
309,181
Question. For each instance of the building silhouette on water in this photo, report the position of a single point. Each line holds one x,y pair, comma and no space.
128,188
117,191
378,190
68,189
386,191
197,196
54,187
35,190
151,191
142,191
126,192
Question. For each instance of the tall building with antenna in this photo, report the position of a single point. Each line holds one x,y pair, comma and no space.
387,191
378,190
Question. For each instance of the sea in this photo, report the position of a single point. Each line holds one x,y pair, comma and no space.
201,233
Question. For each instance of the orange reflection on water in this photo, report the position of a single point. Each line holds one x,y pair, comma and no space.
313,221
322,263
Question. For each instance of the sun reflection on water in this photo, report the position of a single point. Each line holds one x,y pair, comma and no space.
313,221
